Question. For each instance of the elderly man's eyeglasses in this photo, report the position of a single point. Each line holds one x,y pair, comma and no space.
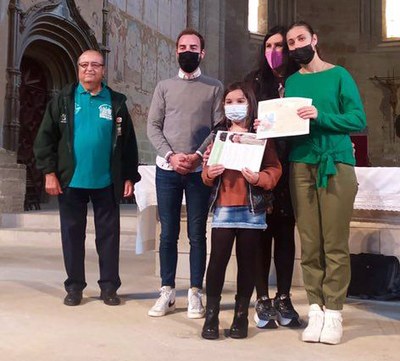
93,65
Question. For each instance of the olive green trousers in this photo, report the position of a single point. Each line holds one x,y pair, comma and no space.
323,220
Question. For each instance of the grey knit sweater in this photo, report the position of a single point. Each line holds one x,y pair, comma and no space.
182,114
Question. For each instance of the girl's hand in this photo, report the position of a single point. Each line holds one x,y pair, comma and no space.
250,176
215,170
207,153
308,112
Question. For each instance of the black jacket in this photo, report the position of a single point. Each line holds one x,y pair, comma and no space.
53,146
282,203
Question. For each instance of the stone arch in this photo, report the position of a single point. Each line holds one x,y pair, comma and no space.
54,34
50,36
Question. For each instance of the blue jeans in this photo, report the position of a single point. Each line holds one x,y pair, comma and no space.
170,186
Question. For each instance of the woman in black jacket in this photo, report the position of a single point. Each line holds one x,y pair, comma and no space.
268,83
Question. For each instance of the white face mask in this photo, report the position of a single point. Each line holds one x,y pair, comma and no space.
236,112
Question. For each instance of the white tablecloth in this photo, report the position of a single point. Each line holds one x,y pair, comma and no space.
379,189
146,200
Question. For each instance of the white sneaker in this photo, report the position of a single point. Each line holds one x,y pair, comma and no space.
195,305
332,331
312,332
165,303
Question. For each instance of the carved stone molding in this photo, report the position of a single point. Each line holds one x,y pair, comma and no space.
60,30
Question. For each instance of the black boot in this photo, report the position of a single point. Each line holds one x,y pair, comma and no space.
240,322
211,323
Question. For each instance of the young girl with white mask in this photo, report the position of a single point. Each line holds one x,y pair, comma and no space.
238,206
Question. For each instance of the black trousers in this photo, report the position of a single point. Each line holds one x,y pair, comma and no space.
73,216
281,229
222,240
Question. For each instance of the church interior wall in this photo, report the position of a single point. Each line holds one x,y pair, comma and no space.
3,59
142,52
91,11
339,25
339,22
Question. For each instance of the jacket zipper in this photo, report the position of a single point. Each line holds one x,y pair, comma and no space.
251,200
216,195
114,127
68,126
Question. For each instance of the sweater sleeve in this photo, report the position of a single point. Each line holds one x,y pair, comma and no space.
217,115
352,116
271,169
155,123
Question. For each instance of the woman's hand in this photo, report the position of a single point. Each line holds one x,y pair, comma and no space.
256,124
308,112
250,176
215,170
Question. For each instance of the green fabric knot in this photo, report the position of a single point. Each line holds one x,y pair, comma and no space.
326,166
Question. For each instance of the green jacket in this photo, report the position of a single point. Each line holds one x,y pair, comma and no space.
53,145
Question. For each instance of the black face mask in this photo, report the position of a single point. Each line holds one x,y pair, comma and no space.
189,61
302,55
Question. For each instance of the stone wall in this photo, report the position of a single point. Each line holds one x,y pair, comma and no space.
241,47
12,183
142,44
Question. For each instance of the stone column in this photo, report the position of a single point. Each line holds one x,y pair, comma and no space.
281,12
11,116
193,14
212,27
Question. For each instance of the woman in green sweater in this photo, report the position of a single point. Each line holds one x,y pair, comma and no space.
323,182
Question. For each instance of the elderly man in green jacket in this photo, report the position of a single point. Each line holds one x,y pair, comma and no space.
86,148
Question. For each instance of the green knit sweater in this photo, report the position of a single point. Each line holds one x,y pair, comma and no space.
340,112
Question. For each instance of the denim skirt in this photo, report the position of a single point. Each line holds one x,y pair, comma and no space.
237,217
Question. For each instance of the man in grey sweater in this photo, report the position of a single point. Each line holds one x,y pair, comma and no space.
182,113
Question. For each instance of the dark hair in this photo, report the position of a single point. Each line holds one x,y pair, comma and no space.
190,31
251,100
309,29
304,24
264,82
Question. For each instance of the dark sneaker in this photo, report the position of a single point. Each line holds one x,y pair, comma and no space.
287,315
265,315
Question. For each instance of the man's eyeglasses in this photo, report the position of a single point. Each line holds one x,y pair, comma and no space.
94,65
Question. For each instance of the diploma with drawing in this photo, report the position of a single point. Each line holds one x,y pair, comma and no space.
278,117
237,150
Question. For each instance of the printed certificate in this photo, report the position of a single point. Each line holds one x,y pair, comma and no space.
278,117
237,150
